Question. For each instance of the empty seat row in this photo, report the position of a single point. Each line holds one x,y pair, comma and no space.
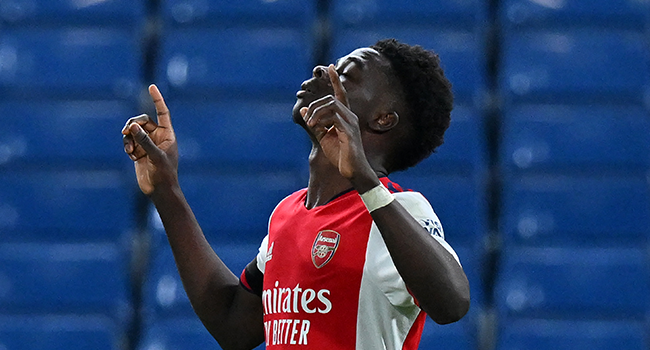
574,138
234,62
540,210
49,278
66,206
75,296
77,134
573,283
54,332
578,334
224,13
516,14
467,14
564,66
47,13
69,63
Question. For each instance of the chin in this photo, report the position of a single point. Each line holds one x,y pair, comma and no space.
295,113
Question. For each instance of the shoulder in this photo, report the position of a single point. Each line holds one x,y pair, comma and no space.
418,206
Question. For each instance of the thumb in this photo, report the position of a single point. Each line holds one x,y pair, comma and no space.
141,137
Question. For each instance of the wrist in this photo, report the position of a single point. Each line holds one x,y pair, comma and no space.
365,181
377,197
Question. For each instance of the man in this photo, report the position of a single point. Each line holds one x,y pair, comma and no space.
351,261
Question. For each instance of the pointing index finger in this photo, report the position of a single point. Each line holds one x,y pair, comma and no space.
164,119
339,90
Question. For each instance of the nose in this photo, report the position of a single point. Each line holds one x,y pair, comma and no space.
320,72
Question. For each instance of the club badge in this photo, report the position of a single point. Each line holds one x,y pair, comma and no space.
324,247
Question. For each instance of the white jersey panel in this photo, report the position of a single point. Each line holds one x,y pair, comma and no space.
384,297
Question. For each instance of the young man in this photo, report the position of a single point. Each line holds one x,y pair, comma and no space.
351,261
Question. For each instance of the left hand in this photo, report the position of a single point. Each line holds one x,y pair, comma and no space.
336,129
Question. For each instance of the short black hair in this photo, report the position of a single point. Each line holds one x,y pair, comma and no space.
428,99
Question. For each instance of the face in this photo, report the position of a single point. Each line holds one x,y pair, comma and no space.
363,74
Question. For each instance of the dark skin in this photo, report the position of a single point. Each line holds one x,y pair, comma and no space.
352,115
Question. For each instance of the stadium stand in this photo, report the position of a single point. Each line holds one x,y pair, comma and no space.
573,156
70,71
548,152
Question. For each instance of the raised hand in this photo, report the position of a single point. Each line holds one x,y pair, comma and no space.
336,128
152,146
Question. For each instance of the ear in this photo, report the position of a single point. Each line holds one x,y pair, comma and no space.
383,122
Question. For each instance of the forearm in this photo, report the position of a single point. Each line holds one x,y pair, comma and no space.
212,288
431,273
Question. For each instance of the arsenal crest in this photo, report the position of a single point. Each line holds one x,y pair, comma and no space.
324,247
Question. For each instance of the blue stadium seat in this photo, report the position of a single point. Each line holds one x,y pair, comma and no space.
178,334
610,13
239,133
235,207
68,133
65,206
181,333
163,293
456,336
576,211
39,278
544,334
459,202
52,332
69,12
364,13
284,13
573,283
571,138
89,63
461,53
164,296
235,62
558,66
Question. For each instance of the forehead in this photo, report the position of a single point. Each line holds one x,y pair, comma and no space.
366,56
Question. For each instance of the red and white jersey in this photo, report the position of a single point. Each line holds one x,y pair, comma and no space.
329,281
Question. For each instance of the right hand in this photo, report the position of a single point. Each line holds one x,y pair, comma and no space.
152,146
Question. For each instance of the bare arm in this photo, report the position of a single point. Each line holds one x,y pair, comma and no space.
430,272
231,314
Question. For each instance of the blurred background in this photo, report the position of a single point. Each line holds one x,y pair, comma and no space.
541,185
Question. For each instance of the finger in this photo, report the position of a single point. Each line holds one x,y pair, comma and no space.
321,115
164,119
144,141
337,85
143,120
129,145
131,148
308,114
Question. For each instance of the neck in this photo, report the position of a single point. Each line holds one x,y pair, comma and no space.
325,180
